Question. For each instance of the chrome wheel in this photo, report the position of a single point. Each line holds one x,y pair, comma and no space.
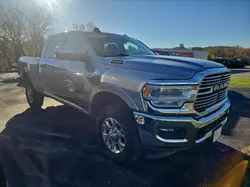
113,135
30,94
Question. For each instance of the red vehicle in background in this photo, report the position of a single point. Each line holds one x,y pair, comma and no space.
184,53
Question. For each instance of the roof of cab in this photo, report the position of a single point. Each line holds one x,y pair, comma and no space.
91,32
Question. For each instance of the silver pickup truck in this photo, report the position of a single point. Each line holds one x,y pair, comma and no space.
141,102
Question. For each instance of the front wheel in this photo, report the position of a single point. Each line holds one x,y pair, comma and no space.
117,133
34,99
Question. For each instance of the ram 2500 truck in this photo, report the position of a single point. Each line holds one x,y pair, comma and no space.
138,99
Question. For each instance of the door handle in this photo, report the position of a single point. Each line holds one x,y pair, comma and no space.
62,68
89,75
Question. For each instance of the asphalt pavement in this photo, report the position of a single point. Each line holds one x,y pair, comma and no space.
243,72
56,147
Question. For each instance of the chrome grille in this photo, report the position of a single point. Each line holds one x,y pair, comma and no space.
206,96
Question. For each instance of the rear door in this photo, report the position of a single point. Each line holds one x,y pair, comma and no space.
52,71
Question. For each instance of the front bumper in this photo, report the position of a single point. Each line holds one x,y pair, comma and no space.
179,132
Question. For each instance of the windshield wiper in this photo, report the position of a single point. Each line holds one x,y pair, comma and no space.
118,54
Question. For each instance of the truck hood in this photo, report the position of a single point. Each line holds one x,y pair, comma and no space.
168,67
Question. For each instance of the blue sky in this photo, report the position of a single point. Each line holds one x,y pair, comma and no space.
163,23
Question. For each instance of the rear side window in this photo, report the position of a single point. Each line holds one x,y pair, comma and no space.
56,40
76,42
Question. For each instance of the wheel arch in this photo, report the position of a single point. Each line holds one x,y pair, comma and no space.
26,78
106,94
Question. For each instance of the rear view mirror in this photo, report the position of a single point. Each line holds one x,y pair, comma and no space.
68,53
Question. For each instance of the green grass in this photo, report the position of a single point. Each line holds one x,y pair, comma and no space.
240,82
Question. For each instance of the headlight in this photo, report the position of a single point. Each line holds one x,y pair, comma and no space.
169,96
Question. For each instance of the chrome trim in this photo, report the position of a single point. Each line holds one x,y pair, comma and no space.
206,99
170,82
186,109
210,89
210,133
197,123
214,107
171,140
211,118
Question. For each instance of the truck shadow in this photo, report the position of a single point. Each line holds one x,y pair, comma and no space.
240,107
56,147
11,80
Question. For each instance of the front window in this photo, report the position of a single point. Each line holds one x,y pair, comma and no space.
117,45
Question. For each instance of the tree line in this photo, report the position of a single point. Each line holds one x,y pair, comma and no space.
222,52
22,32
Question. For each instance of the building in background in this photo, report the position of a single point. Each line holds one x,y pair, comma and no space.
184,53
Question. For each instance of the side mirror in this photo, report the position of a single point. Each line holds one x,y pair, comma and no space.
68,53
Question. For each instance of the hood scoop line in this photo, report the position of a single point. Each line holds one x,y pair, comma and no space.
117,62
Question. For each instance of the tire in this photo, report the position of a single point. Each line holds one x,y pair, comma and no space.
124,117
34,99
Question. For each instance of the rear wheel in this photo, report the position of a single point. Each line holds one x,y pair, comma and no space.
117,133
34,98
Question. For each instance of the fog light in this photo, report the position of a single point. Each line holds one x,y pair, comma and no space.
139,119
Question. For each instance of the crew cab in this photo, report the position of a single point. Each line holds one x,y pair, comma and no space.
141,102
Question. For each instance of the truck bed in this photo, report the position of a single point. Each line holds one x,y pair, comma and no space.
29,60
29,66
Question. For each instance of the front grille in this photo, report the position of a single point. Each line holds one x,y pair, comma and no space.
210,91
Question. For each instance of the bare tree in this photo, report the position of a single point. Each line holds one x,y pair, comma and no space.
40,24
12,32
23,27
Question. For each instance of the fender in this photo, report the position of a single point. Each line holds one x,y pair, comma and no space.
117,91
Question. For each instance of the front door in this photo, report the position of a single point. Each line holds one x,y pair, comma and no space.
75,84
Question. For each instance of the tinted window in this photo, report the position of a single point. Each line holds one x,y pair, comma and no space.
76,41
56,40
113,45
131,48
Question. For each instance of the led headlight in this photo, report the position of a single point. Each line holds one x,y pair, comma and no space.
169,96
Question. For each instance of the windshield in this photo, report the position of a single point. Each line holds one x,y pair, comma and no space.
117,45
